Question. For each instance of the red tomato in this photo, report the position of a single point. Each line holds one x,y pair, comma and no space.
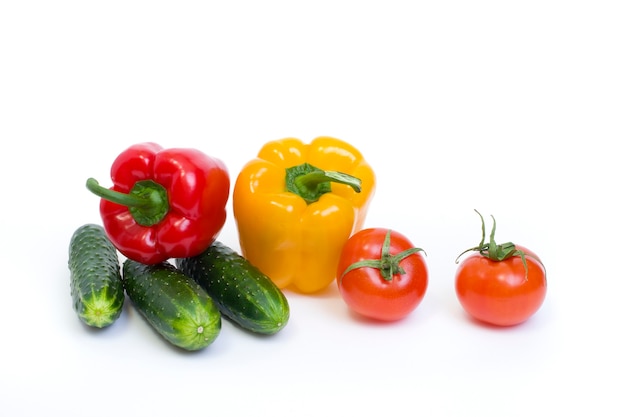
381,275
494,286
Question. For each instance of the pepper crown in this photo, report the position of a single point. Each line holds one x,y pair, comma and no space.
310,182
147,200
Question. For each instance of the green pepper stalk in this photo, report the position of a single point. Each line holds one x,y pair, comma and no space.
147,200
311,183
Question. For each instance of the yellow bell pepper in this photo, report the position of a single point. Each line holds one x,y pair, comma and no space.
297,204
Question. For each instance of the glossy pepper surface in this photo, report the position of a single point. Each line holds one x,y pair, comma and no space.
164,203
296,205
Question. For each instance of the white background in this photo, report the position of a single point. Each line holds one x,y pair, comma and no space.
516,109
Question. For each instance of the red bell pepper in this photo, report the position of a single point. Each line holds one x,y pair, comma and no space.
164,203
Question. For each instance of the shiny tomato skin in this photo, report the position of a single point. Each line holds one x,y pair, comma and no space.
499,292
366,292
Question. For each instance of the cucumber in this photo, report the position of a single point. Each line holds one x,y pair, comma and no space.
172,303
241,291
95,278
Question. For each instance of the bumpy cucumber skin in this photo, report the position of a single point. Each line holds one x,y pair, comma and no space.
241,291
95,278
173,303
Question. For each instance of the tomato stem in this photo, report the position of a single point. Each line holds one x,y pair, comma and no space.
494,251
387,264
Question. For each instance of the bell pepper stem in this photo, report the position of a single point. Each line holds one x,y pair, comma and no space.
312,179
147,200
127,200
311,183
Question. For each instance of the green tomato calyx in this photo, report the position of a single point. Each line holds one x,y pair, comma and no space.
495,252
388,264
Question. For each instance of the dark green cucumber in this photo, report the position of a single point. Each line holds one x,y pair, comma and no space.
241,291
173,303
95,278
